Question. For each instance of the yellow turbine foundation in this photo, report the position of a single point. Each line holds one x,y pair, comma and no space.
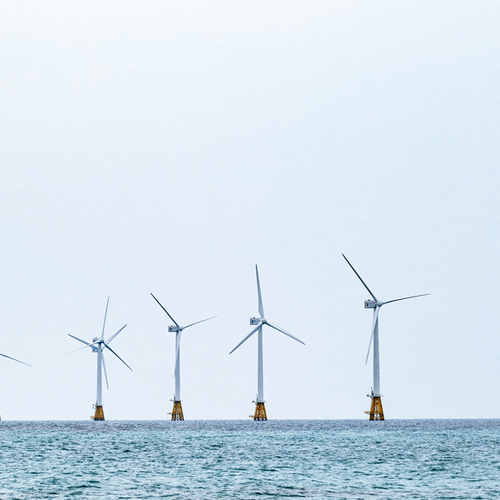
99,413
260,412
376,412
177,411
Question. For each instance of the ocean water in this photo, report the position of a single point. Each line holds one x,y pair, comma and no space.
317,459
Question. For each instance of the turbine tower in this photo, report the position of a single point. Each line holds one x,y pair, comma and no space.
98,345
13,359
376,412
177,413
260,408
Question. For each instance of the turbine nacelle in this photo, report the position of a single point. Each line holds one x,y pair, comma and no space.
376,304
174,328
95,343
259,322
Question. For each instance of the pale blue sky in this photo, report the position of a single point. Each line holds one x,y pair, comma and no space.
152,147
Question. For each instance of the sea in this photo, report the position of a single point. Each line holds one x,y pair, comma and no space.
316,459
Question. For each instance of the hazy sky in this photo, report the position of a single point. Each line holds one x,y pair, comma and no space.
169,147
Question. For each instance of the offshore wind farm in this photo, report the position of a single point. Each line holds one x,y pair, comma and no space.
99,344
169,147
218,139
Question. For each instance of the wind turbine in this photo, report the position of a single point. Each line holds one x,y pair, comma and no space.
376,412
13,359
177,413
260,409
98,345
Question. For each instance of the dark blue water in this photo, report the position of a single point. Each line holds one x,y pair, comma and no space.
411,459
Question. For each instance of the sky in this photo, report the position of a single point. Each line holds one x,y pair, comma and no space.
169,148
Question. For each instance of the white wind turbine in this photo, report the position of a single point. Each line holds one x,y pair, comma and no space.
177,413
376,412
98,345
260,409
13,359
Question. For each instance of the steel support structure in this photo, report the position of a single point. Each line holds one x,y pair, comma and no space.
99,413
376,411
260,411
177,413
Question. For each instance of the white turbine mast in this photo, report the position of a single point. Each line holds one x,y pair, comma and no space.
260,409
177,413
98,345
376,412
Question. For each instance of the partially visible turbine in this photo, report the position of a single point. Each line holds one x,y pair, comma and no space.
376,412
13,359
177,413
98,345
260,409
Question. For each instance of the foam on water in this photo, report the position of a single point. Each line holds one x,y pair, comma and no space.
414,459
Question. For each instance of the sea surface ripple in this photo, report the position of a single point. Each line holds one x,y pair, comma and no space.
316,459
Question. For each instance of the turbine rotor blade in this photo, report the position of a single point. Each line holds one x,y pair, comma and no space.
375,321
87,344
360,279
107,346
283,331
184,327
261,306
79,340
105,373
105,316
14,359
81,348
404,298
176,324
248,336
113,336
